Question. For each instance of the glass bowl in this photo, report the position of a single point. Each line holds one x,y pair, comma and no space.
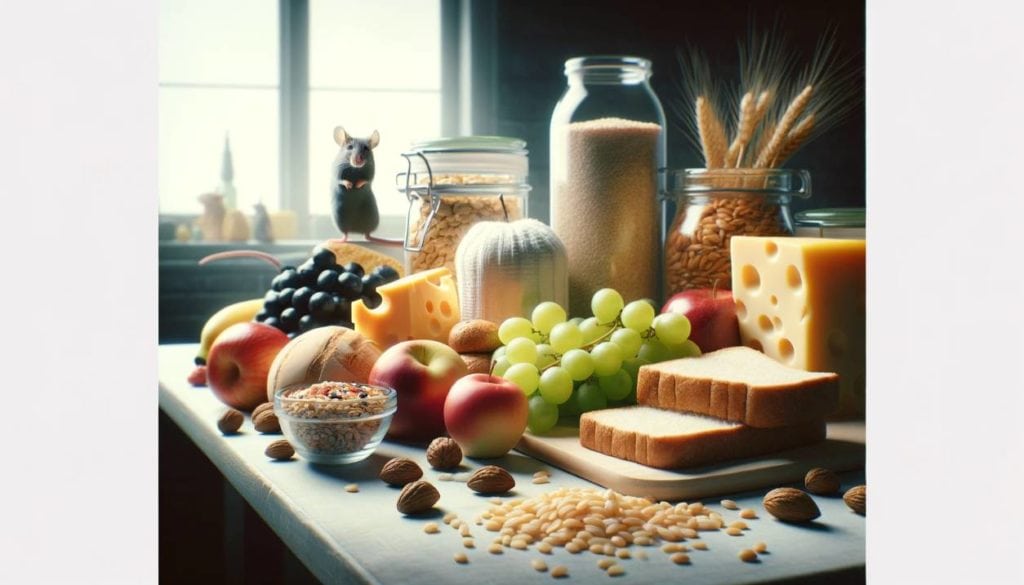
333,423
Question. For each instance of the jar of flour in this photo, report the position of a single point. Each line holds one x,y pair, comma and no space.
607,163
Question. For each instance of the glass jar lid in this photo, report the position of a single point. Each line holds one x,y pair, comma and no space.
843,217
505,159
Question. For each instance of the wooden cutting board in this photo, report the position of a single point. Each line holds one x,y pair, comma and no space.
843,450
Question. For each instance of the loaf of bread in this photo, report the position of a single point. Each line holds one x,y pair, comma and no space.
674,440
739,384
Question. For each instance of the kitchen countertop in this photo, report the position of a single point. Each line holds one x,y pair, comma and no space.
360,537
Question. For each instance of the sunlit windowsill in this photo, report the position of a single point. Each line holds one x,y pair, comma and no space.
321,228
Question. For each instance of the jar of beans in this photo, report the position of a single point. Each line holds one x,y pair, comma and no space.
453,183
712,206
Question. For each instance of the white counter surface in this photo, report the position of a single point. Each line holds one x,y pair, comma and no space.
361,538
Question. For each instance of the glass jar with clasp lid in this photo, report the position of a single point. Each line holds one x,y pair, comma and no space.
712,205
453,183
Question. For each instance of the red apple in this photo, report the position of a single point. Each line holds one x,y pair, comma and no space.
712,315
239,361
421,371
485,415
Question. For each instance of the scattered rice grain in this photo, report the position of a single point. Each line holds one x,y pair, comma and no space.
680,558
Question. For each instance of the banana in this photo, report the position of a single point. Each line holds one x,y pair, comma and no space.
234,313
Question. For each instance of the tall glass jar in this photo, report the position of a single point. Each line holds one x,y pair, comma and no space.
607,149
712,205
453,183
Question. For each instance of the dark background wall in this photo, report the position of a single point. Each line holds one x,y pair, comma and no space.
535,37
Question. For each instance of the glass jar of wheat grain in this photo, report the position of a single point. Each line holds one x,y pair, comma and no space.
713,205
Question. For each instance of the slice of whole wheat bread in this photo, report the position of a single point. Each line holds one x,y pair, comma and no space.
674,440
739,384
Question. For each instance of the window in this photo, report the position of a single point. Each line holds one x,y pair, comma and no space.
371,66
218,75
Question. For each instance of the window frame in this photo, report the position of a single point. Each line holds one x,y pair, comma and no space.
468,54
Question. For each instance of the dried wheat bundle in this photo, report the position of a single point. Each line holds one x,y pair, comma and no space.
776,109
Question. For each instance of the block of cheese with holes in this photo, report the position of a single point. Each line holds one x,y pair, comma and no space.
801,301
424,305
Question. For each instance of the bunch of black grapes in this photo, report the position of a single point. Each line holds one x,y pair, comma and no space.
320,292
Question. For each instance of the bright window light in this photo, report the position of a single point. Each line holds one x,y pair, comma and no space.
372,66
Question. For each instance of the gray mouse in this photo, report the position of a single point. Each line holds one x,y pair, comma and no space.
353,203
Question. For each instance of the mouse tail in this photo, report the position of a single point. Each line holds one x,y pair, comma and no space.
384,241
269,259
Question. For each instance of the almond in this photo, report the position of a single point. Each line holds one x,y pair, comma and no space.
266,421
444,453
230,421
417,497
400,471
821,481
261,408
280,449
491,479
791,505
857,499
474,336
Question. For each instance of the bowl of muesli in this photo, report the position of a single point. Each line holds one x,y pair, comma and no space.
335,422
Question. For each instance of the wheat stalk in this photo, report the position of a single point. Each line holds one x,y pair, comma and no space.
794,140
712,134
789,117
744,129
746,132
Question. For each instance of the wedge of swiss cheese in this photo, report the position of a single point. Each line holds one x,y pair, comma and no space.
802,302
741,385
675,440
424,305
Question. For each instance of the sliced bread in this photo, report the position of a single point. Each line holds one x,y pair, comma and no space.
739,384
674,440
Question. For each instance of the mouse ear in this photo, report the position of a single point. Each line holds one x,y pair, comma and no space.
373,140
340,136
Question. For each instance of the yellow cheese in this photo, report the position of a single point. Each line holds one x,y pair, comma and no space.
424,305
801,301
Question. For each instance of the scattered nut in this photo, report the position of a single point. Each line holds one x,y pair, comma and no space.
417,497
280,449
266,422
857,499
821,481
230,421
791,505
262,408
400,471
491,479
748,556
444,453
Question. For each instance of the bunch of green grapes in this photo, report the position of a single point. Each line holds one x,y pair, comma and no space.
570,366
